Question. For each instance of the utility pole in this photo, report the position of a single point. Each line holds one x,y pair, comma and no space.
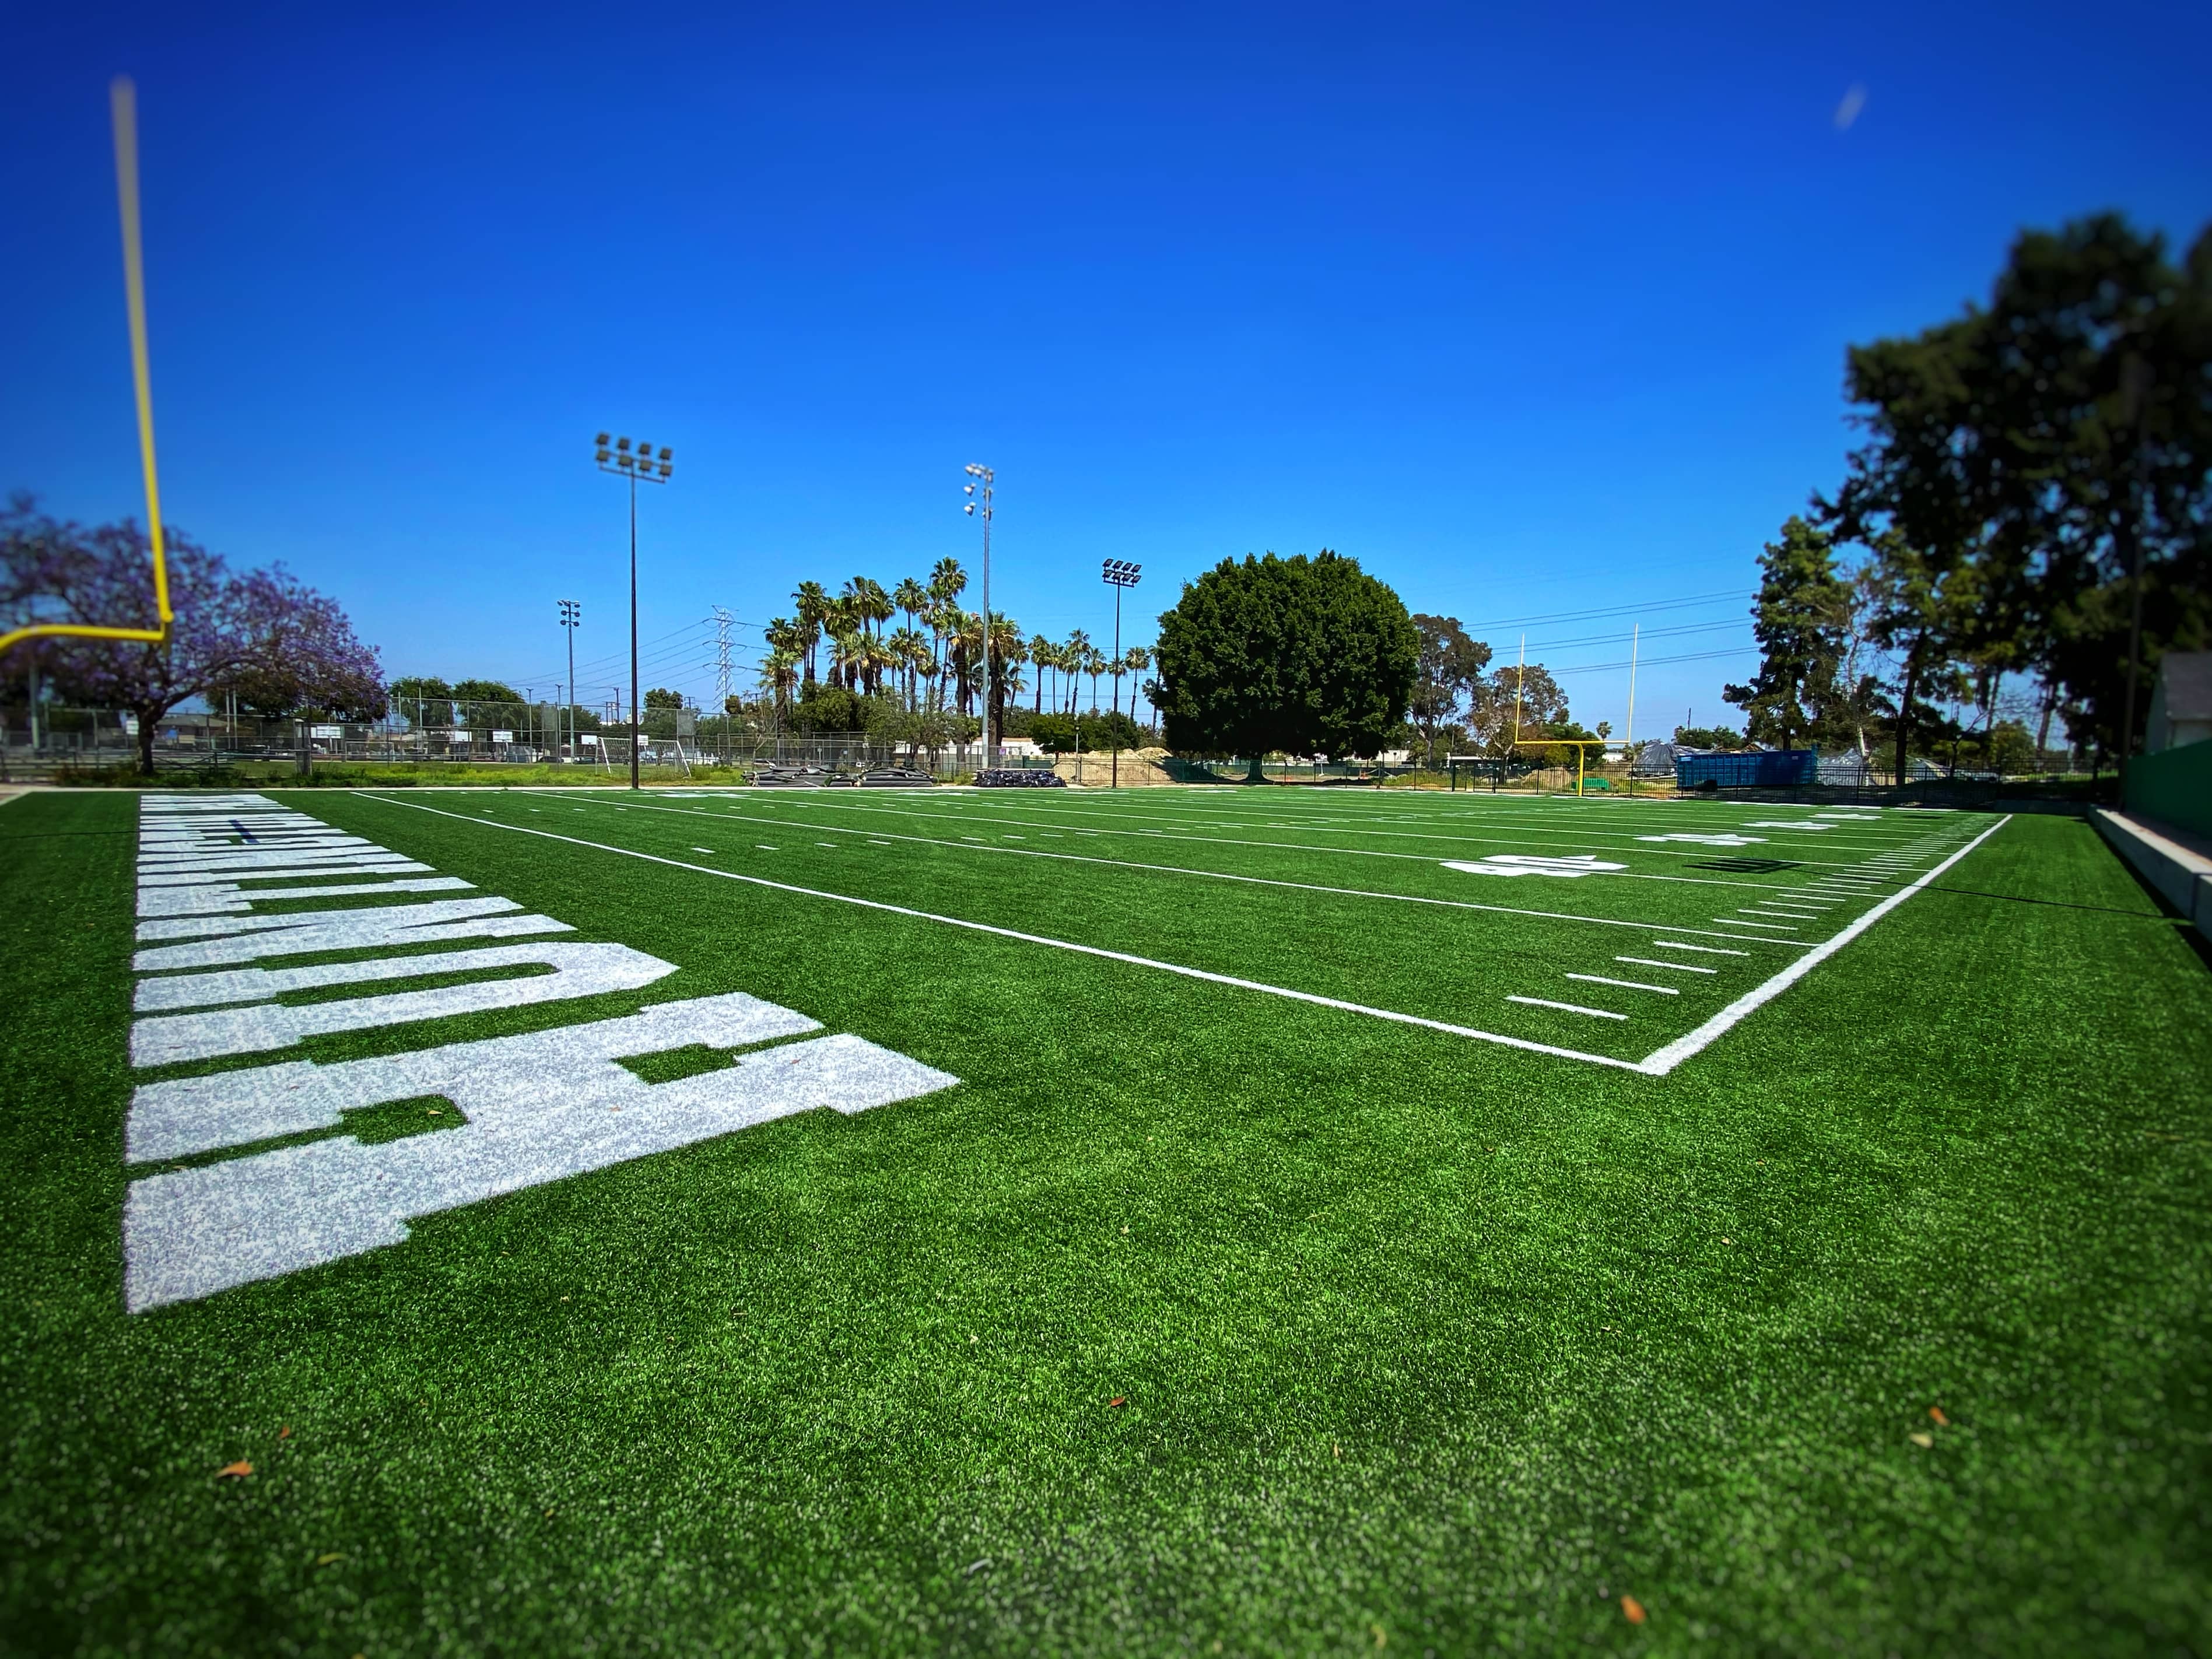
633,467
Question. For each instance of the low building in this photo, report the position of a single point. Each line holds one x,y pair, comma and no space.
2180,702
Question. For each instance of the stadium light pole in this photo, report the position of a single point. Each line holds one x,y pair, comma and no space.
983,477
623,462
572,619
1121,575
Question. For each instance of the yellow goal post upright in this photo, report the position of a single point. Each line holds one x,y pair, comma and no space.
123,108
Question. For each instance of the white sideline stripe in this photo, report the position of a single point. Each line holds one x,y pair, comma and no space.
1709,950
1252,881
1230,980
1667,1059
1679,967
1627,984
1572,1008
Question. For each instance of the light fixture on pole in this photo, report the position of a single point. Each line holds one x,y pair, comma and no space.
624,462
572,619
982,477
1120,574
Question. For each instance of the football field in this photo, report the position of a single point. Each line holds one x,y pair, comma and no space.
1168,1221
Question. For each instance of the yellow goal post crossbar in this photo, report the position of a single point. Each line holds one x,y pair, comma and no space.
123,106
1576,743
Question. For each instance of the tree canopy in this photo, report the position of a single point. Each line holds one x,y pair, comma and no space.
1294,655
1799,619
288,645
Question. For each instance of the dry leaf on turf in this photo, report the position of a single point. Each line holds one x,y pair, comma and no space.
1632,1609
1118,1400
1923,1441
1936,1412
284,1433
237,1471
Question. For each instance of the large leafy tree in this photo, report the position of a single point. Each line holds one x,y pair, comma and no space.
1447,675
1800,620
1297,655
2026,461
1518,702
258,625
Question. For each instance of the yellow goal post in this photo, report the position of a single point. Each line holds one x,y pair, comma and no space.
123,108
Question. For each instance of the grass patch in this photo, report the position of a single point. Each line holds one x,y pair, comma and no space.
1410,1333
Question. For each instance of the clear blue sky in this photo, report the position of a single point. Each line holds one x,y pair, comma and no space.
1533,310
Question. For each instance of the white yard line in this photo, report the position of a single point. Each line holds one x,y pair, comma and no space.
1667,1059
1175,968
1709,950
1570,1007
980,846
1678,967
1628,984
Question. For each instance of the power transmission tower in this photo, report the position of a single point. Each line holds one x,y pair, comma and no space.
723,622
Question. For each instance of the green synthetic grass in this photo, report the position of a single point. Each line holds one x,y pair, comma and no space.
1422,1341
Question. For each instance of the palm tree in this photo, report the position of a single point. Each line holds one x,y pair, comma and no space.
875,656
947,582
1094,664
903,644
779,675
1071,663
1136,660
865,602
1040,655
813,606
911,597
1008,650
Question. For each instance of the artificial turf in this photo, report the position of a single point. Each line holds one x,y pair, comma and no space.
1420,1341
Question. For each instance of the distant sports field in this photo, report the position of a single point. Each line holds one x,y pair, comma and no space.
1175,1221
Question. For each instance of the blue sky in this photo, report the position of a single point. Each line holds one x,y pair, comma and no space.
1535,311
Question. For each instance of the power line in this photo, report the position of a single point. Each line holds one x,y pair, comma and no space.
1649,633
1647,662
1613,610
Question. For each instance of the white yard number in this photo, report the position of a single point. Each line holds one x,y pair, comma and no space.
530,1108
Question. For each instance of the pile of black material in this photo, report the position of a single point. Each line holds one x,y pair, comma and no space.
1012,777
895,777
803,776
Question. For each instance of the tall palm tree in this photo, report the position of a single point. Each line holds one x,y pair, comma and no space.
1040,655
947,582
875,656
1071,663
1008,650
1094,664
1136,660
813,606
911,597
866,603
902,643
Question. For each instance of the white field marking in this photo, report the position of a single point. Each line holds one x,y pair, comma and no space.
1781,927
579,970
763,846
831,845
1709,950
1665,1060
532,1109
872,841
708,850
1570,1007
1772,908
1679,967
228,898
965,816
1266,881
1528,864
1175,968
1627,984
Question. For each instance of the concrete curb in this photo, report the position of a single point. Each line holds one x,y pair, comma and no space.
2179,867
